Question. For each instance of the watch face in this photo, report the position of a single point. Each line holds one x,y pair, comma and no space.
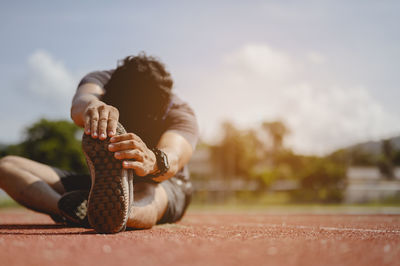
165,162
162,162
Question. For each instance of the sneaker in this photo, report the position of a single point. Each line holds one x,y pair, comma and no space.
73,208
111,193
58,219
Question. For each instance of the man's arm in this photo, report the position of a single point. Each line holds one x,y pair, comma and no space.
98,118
84,95
137,156
178,150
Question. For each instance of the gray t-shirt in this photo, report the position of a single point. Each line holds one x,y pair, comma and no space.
179,117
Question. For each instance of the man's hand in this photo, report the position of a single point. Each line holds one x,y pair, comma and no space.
100,119
130,148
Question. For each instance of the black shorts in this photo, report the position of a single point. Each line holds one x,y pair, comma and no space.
178,191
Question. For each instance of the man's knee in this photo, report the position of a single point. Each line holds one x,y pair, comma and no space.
7,163
149,205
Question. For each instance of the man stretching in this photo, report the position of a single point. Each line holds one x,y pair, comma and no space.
138,137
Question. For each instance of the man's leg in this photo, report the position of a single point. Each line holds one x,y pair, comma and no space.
156,203
32,184
149,205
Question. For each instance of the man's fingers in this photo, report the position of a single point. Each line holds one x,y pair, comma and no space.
93,124
112,121
136,166
129,154
112,127
87,125
124,145
103,119
123,137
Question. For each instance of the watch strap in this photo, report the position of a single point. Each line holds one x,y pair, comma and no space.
162,162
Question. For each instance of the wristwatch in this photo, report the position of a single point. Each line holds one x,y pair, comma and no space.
162,162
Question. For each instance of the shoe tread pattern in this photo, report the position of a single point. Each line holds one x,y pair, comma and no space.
108,206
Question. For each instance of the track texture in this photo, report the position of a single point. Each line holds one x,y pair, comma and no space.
204,238
111,196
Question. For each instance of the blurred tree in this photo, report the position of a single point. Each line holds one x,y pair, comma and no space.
396,158
14,149
386,161
246,154
237,153
52,142
321,180
354,156
360,157
277,130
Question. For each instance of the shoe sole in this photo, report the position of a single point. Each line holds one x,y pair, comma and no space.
110,195
73,206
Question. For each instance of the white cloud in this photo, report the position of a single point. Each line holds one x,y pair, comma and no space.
262,60
46,91
316,58
259,83
324,119
49,79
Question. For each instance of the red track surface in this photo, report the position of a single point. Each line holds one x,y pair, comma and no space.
28,238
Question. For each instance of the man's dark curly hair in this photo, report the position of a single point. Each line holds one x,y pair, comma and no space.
139,83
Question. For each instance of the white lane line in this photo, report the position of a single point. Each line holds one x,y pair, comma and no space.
347,229
326,228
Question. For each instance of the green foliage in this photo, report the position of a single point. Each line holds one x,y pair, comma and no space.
277,130
247,154
259,154
269,175
354,156
386,167
387,159
51,142
236,155
321,180
396,158
15,149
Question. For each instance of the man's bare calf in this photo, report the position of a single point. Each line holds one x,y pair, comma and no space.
32,184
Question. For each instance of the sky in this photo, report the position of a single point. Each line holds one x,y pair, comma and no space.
327,69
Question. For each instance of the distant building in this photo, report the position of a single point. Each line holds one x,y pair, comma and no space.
200,164
367,184
210,184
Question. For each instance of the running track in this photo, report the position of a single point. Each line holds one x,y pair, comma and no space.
207,238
